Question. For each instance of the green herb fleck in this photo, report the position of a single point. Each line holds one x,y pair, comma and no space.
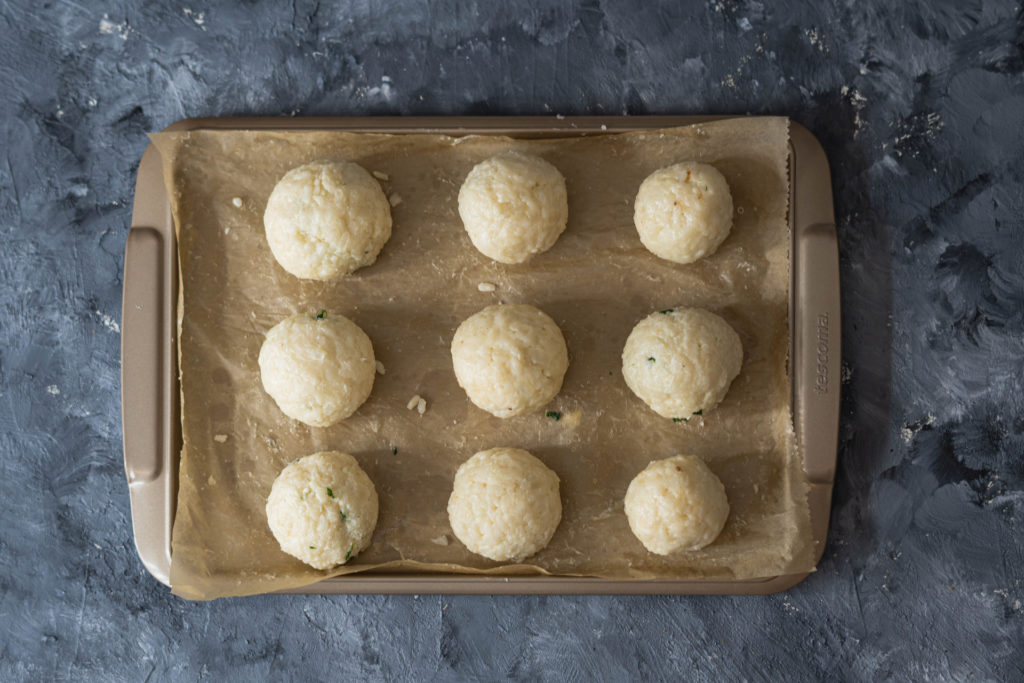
650,359
680,419
394,450
667,311
344,517
351,546
330,492
699,412
554,415
322,314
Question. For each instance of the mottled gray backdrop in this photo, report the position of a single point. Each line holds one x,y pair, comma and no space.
920,106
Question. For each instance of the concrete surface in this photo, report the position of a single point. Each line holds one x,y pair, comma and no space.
920,106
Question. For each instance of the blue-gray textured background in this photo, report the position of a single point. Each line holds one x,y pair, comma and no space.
920,106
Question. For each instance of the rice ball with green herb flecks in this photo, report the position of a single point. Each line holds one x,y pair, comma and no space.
683,212
322,509
509,358
318,368
505,504
676,504
513,206
327,219
681,361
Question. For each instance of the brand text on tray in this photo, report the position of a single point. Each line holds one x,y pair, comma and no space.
821,369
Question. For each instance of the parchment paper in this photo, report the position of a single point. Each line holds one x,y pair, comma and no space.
596,282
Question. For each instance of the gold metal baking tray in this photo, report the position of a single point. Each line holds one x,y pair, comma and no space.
149,378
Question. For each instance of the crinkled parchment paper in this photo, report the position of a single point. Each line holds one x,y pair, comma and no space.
596,282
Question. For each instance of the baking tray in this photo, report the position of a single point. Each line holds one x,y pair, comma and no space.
149,376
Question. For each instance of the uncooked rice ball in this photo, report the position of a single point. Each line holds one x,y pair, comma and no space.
514,206
681,361
510,359
676,504
683,212
322,509
318,368
505,504
327,219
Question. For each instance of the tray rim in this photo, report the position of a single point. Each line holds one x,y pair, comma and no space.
152,279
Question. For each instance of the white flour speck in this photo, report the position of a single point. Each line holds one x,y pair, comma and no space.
859,102
107,27
908,432
109,322
198,18
53,390
815,39
383,91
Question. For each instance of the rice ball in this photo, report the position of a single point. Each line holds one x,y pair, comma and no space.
327,219
514,206
681,361
683,212
509,358
676,504
322,509
504,504
318,369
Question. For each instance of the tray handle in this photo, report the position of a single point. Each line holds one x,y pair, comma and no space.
141,368
148,389
818,350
